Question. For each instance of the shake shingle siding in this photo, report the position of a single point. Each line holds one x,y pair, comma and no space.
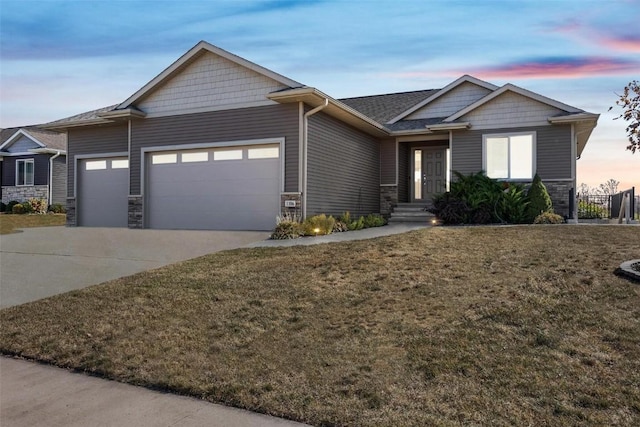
94,140
343,169
274,121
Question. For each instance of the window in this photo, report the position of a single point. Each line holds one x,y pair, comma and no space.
24,172
509,156
163,159
202,156
227,155
119,164
263,153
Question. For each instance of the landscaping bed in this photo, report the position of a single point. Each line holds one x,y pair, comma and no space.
442,326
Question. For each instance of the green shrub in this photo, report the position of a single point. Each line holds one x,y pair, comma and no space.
345,218
2,207
318,225
539,200
57,208
357,224
18,209
548,218
287,230
513,204
10,205
588,210
374,220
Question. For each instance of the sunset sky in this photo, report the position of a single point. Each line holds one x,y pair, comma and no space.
60,58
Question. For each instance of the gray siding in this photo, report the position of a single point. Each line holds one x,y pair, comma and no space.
22,145
404,173
40,169
343,169
388,161
94,140
59,184
219,126
553,150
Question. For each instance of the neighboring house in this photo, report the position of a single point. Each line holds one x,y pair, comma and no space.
218,142
33,164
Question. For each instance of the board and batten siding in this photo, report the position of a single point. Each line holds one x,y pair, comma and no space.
22,145
343,169
93,140
272,121
388,161
209,81
553,150
40,169
451,102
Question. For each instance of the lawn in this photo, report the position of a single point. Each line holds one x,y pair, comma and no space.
443,326
10,223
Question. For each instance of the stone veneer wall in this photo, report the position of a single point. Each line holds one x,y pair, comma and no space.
136,212
297,197
23,193
71,212
388,199
559,193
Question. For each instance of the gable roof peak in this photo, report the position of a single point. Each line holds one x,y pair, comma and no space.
192,54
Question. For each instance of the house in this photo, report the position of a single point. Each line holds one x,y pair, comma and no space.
217,142
33,164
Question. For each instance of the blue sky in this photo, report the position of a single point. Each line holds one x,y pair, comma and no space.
60,58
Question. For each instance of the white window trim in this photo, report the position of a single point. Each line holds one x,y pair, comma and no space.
533,135
18,172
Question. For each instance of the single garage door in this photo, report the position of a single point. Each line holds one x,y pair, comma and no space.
103,189
232,188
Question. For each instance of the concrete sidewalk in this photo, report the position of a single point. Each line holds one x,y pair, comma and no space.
32,394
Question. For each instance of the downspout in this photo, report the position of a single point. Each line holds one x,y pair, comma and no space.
304,153
51,159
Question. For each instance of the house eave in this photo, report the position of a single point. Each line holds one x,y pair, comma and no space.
449,126
314,98
80,123
581,117
126,113
48,151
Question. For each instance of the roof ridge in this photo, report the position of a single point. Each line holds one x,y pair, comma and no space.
391,93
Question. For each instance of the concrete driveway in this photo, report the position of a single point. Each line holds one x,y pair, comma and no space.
40,262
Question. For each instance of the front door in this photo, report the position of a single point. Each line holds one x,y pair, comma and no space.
429,173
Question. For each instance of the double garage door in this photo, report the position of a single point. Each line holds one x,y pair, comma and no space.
222,188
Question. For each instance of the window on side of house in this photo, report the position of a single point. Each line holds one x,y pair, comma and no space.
509,156
24,172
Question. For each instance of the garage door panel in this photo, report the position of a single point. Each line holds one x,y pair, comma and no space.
214,194
102,199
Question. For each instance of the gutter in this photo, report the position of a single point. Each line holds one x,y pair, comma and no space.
57,154
305,137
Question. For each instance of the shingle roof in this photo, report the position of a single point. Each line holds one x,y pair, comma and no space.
87,116
51,139
414,124
383,108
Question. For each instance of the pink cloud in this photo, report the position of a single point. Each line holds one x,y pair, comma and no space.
624,44
558,68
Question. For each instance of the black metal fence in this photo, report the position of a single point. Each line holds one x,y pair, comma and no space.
604,206
597,206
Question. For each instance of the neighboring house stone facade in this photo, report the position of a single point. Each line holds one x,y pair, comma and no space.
218,142
33,164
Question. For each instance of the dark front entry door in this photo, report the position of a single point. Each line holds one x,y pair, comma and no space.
429,173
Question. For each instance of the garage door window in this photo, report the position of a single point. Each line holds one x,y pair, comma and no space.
119,164
163,159
263,153
227,155
96,165
202,156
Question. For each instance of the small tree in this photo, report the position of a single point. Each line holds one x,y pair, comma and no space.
539,199
583,189
630,103
610,187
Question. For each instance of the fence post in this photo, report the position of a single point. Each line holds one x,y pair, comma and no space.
572,205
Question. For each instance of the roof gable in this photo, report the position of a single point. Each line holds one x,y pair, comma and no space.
20,142
450,102
442,92
207,76
516,90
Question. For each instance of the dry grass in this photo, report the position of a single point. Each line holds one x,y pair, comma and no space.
10,223
443,326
